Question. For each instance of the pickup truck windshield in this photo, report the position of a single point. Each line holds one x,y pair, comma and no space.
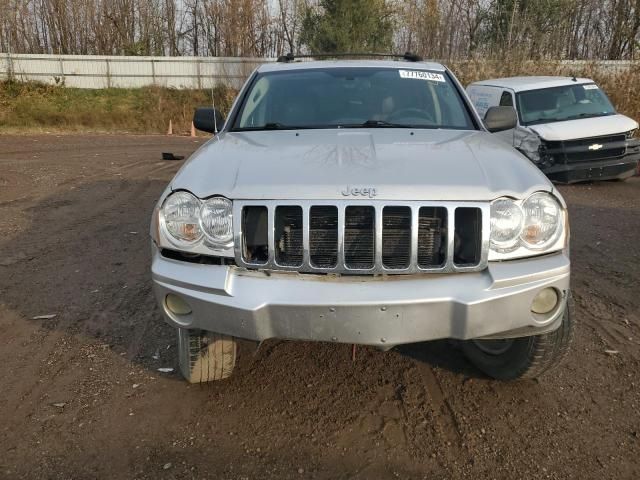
363,97
557,104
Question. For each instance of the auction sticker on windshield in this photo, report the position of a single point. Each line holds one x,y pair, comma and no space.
422,75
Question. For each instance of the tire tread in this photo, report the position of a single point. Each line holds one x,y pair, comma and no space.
529,357
549,350
205,356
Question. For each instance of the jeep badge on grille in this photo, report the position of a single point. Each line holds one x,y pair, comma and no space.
359,192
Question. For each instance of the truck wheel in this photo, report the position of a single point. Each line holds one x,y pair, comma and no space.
205,356
525,357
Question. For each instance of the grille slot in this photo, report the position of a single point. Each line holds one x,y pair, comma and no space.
359,237
587,155
432,237
396,237
468,227
323,236
255,242
288,236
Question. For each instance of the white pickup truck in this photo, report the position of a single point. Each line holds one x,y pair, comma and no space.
566,126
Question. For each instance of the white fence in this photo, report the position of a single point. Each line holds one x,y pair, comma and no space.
93,71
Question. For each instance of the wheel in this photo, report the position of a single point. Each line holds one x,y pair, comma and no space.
205,356
525,357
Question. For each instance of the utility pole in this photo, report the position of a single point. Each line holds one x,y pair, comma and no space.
9,55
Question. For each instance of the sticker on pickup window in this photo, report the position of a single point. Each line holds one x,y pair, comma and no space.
422,75
590,86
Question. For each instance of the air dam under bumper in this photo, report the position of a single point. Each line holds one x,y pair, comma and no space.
600,170
381,311
611,168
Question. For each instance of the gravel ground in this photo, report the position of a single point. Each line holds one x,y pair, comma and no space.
82,397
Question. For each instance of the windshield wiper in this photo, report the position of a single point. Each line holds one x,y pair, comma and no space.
376,124
382,123
367,124
588,115
571,117
545,120
271,126
275,126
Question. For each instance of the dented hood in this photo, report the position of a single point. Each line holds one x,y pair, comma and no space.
584,127
400,164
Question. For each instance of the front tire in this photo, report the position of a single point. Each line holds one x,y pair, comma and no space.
205,356
525,357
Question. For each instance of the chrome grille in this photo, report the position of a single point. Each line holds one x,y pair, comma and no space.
575,151
361,237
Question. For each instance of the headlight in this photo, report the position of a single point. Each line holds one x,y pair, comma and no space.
181,212
216,220
543,218
522,229
632,134
506,224
196,226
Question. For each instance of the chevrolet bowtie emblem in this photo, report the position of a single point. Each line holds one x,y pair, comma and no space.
595,146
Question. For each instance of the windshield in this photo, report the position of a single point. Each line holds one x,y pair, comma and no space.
350,98
563,103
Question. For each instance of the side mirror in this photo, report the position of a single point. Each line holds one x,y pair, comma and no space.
498,119
207,119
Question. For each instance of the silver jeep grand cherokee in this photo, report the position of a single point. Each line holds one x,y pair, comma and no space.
362,202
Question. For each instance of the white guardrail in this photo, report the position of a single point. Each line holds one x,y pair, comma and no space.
100,71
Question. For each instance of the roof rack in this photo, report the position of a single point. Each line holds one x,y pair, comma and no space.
407,56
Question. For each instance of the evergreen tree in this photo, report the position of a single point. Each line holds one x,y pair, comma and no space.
348,26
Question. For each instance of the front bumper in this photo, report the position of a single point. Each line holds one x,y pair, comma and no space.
382,310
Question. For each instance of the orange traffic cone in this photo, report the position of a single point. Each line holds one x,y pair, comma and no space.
193,130
170,130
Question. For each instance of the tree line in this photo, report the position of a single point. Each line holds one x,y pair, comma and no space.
442,29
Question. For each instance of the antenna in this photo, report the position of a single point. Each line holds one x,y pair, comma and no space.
215,117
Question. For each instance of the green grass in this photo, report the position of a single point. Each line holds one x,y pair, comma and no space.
37,107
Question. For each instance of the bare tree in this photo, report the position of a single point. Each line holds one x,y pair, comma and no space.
446,29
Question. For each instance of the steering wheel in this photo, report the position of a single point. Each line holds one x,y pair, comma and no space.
411,112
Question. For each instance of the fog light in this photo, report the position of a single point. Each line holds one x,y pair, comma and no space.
177,305
545,301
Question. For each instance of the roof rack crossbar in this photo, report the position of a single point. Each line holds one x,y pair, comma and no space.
407,56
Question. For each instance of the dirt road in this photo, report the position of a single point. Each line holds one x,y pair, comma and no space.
81,396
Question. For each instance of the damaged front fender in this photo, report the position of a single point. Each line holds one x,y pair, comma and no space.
529,143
